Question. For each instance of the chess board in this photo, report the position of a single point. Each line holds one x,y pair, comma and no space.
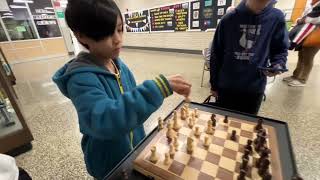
220,161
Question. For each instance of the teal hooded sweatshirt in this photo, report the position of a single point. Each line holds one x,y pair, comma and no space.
111,109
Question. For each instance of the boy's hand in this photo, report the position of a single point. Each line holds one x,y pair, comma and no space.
301,21
179,85
273,73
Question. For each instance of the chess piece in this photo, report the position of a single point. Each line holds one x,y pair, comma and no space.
190,123
166,159
233,136
154,157
264,167
125,174
183,113
244,164
170,133
190,145
186,110
206,142
213,117
264,154
226,119
267,176
249,146
160,123
214,121
172,151
242,175
176,124
176,143
245,155
209,128
196,113
197,132
259,125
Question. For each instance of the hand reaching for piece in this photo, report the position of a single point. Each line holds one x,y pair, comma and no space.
179,85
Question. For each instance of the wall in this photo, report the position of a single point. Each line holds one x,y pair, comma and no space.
178,40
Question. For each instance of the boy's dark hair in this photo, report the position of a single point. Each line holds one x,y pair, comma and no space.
97,19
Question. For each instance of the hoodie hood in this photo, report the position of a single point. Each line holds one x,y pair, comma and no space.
242,7
83,63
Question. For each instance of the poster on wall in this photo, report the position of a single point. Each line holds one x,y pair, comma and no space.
170,18
137,21
45,19
206,14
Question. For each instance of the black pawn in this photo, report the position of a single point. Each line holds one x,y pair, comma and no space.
259,125
264,167
244,164
245,155
242,175
233,136
213,117
226,120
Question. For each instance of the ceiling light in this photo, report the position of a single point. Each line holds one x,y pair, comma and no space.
22,1
8,14
7,17
18,7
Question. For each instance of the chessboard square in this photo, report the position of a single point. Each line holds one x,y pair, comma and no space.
221,134
246,134
227,163
185,131
199,153
231,154
247,127
196,163
222,127
234,129
204,176
209,169
176,168
202,122
182,137
182,157
204,116
190,173
213,158
218,141
224,174
255,174
235,124
231,145
216,149
243,140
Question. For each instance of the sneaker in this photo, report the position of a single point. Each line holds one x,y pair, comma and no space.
288,79
296,83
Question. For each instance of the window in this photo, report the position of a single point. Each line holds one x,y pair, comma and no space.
17,21
3,36
44,18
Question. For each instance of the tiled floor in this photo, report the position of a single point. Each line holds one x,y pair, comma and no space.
56,150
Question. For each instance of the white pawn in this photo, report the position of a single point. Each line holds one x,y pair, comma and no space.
176,124
206,142
153,157
183,113
197,132
191,123
196,113
209,128
166,159
190,145
170,133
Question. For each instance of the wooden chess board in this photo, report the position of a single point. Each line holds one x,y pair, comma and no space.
220,161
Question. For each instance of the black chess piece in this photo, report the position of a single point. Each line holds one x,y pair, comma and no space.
259,125
267,176
244,164
264,167
242,175
214,122
233,136
226,119
125,174
264,154
245,155
213,117
249,146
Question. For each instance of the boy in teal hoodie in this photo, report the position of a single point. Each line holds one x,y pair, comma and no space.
110,106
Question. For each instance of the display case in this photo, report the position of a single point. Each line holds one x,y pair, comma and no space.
14,132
